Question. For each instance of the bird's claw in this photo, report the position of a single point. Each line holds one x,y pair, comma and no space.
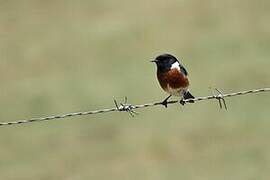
164,103
182,102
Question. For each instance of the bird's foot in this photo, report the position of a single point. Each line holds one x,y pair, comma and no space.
182,102
164,103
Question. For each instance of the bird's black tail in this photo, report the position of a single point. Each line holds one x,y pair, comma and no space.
187,95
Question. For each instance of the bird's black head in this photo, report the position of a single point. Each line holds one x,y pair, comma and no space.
164,62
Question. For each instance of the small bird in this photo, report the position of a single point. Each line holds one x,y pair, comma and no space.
172,77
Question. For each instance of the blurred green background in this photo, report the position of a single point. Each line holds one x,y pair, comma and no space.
67,56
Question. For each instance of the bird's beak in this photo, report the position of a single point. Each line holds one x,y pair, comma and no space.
153,61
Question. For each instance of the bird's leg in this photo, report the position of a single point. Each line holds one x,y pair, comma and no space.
165,101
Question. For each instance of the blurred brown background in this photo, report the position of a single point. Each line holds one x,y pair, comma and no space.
67,56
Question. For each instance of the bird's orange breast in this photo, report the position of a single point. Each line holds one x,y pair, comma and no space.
173,78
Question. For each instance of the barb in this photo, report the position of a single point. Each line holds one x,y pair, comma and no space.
124,107
220,97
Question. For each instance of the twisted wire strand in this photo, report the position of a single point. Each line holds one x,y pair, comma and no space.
130,108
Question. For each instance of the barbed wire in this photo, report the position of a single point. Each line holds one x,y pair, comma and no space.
125,107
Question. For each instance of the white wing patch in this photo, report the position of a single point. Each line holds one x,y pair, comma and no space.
176,65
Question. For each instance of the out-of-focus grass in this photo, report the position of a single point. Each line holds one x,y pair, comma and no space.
62,56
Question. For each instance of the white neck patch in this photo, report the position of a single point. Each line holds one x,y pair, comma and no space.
176,65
